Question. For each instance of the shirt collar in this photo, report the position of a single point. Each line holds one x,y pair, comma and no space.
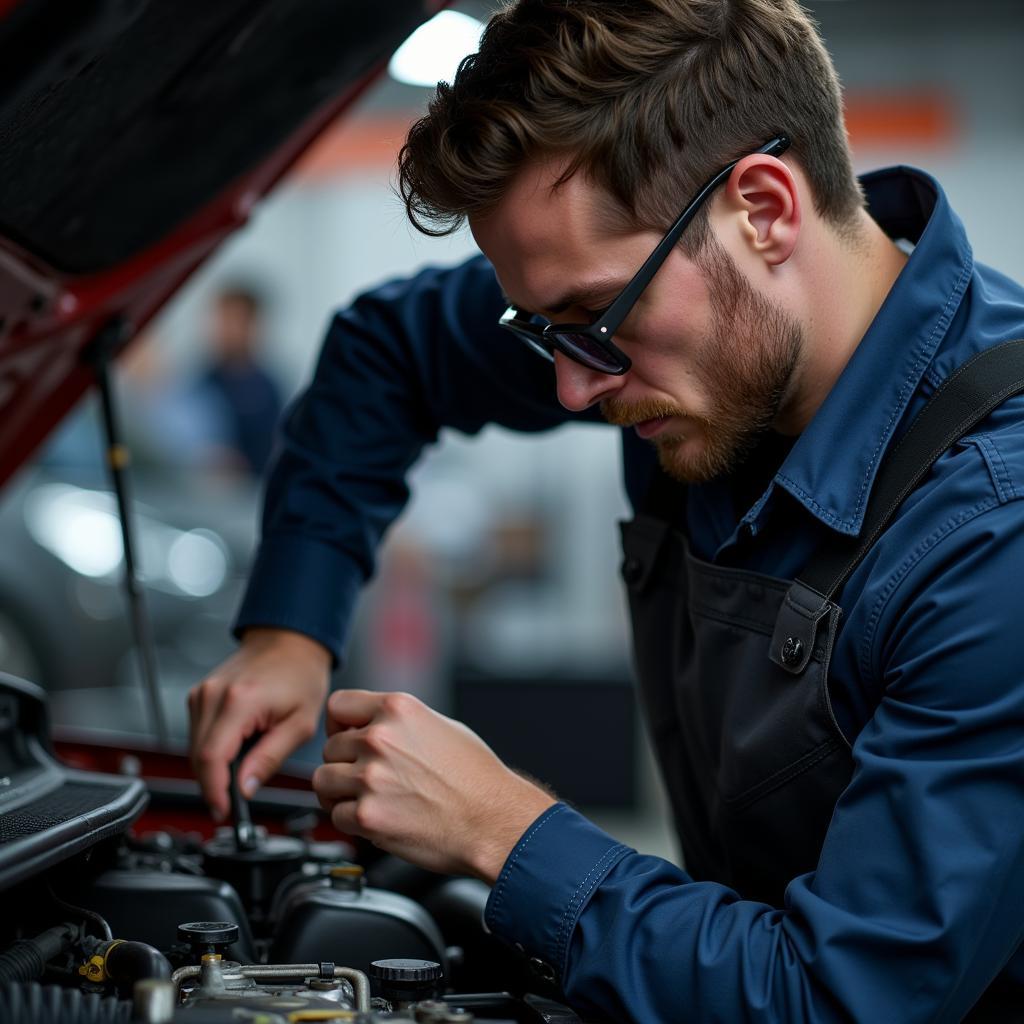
832,465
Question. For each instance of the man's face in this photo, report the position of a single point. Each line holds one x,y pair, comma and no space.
713,360
234,328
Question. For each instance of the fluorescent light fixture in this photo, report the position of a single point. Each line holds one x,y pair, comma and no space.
433,52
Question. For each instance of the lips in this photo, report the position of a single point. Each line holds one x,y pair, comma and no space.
649,428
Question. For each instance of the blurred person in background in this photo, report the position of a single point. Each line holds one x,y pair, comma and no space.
241,396
830,674
167,425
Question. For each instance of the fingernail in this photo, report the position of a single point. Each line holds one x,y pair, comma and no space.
250,786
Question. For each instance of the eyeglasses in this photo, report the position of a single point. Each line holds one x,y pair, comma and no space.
591,344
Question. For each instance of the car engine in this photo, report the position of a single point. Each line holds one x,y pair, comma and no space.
103,925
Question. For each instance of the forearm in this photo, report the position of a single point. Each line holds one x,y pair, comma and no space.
404,361
633,939
290,643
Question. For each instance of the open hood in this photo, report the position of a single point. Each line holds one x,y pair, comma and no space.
136,135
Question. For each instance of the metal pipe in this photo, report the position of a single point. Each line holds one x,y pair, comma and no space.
360,985
181,974
117,463
360,982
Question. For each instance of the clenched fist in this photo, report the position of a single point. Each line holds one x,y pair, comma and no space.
421,785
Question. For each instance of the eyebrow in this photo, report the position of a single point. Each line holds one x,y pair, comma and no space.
577,296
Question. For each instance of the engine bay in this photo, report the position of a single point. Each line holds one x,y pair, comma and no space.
104,924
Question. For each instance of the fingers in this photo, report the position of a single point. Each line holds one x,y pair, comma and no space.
345,746
348,708
194,697
198,698
217,738
345,817
334,782
267,756
203,705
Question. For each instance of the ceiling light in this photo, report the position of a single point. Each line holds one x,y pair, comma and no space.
434,51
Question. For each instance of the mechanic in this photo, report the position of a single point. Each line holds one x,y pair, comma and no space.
831,678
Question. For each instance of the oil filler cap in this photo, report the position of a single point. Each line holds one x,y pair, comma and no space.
406,981
208,936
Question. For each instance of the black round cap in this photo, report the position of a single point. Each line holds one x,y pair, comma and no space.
208,933
416,972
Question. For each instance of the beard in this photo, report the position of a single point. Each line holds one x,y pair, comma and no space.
745,366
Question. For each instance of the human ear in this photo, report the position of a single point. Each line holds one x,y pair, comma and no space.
763,196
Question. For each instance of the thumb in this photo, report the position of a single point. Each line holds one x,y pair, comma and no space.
267,756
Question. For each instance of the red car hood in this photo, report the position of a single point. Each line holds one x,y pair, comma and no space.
135,135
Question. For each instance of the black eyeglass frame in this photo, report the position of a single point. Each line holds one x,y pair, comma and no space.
566,338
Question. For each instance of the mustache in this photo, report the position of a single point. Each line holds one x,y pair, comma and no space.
627,414
620,413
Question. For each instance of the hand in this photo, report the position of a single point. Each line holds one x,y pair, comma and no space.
275,683
421,786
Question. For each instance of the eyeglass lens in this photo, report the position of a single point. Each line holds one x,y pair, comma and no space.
584,349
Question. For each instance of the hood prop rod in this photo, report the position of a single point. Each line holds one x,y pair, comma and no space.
108,343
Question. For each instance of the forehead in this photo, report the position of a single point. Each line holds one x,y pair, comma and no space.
542,238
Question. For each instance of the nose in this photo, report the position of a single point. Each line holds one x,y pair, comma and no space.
578,387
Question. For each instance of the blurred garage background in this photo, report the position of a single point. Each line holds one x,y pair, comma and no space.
497,599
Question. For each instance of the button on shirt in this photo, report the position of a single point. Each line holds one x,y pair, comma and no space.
916,903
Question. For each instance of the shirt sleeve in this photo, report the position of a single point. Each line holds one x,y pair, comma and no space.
405,360
915,905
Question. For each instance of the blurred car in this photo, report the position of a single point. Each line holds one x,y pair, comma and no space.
64,620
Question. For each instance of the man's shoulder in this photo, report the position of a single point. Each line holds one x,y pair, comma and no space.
999,442
983,469
966,505
953,556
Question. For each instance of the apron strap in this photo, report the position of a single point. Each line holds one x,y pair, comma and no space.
963,400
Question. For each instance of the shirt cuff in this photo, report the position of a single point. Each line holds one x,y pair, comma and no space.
304,585
547,881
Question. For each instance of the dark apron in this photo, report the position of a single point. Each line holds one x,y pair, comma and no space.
733,665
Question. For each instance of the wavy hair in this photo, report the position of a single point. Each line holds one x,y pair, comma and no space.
648,98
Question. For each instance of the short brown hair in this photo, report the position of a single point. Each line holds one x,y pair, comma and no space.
650,98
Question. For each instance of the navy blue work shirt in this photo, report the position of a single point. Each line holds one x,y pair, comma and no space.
917,902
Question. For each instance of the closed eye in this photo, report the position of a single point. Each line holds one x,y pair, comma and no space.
593,315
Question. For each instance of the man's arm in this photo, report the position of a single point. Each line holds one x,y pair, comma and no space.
402,362
405,360
421,785
916,902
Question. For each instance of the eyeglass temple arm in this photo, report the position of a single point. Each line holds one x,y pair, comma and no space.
642,278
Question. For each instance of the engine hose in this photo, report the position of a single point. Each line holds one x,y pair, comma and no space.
128,962
32,1003
27,958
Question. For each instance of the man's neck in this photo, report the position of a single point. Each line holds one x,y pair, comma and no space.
847,284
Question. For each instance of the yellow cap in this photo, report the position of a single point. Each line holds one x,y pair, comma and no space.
346,871
95,969
298,1016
